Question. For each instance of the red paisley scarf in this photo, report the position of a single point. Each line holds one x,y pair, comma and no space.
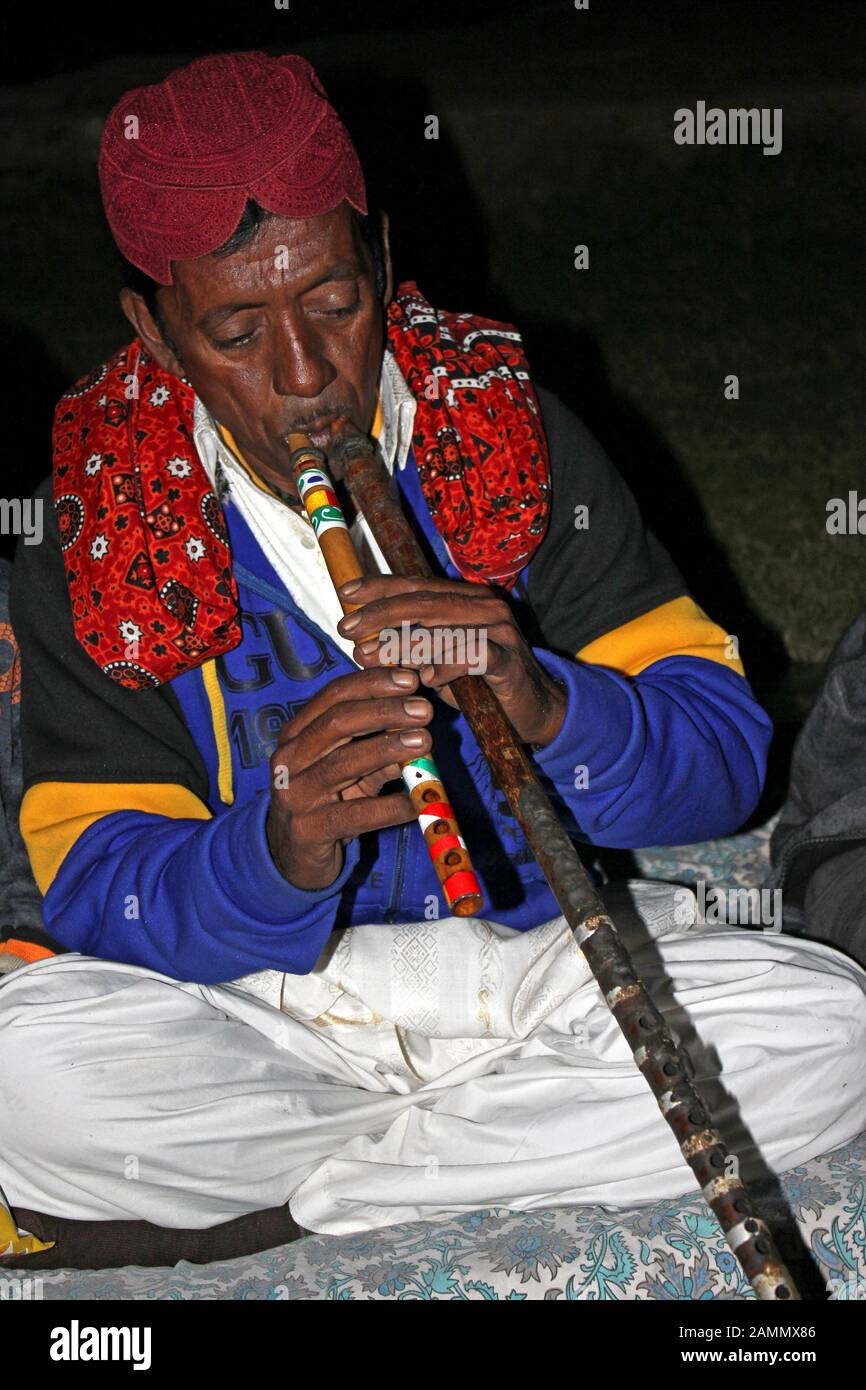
147,557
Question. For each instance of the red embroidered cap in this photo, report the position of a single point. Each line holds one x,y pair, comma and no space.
179,159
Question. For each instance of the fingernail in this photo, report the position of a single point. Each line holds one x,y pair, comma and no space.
346,624
412,740
351,587
368,647
404,678
415,707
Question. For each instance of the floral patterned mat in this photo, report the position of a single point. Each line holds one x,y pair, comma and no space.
740,860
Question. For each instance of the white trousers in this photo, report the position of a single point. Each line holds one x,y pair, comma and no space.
420,1070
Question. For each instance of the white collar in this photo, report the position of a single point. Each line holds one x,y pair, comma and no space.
398,413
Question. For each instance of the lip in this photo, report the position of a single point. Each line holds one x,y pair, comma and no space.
320,427
318,433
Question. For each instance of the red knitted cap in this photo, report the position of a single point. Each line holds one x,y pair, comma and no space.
179,160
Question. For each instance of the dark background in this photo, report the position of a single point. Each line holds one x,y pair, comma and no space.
556,127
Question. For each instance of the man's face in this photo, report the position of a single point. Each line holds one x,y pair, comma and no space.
283,335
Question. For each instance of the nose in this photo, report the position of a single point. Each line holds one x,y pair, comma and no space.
301,366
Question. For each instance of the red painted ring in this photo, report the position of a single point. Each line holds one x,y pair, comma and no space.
460,885
446,842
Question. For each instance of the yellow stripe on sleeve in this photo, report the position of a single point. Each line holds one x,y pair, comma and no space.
677,628
54,814
220,731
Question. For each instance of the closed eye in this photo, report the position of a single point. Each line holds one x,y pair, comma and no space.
226,344
342,313
240,341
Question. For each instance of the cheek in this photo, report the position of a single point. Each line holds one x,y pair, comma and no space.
213,377
249,381
240,398
367,358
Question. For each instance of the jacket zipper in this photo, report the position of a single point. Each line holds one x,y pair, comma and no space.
399,873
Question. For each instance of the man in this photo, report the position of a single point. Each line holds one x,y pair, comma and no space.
263,1001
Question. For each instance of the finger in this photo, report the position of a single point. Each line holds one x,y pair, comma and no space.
435,677
332,774
376,586
495,661
507,676
452,650
358,685
351,818
469,605
342,723
370,786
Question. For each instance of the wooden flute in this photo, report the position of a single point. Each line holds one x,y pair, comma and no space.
661,1058
445,844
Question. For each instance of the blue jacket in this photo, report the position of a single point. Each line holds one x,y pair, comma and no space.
150,845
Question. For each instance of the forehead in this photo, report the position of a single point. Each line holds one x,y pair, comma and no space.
282,253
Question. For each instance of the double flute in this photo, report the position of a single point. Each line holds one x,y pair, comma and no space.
660,1057
445,844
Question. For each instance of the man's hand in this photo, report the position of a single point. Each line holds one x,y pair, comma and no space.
484,640
331,761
